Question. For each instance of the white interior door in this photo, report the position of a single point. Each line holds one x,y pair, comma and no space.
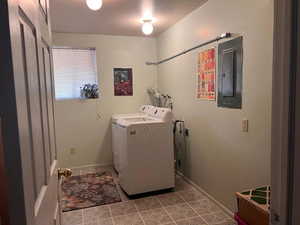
30,39
39,96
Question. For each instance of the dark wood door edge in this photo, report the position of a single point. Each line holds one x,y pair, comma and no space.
4,214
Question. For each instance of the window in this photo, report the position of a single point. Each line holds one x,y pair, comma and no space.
73,68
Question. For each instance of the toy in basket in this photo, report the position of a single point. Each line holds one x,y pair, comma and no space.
253,206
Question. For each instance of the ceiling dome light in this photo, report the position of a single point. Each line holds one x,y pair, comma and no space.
147,27
94,4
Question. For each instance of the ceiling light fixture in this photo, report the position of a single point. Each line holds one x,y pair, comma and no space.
147,27
94,4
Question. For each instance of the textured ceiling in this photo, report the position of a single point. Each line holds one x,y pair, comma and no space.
118,17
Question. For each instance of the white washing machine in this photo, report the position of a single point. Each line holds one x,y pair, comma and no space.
146,152
116,144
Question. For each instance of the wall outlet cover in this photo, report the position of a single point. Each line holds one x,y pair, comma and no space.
245,125
72,151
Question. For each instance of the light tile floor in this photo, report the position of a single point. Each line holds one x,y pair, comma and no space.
184,206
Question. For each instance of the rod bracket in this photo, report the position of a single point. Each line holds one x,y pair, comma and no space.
225,35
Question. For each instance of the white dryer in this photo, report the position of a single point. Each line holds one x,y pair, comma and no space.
146,160
116,143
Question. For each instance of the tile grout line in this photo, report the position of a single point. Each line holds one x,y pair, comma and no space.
193,209
169,215
109,206
211,198
110,212
197,213
194,217
141,217
211,213
138,212
82,214
163,207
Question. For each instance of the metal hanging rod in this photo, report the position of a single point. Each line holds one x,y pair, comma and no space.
222,36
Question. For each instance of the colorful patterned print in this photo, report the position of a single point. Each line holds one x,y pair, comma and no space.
207,75
88,190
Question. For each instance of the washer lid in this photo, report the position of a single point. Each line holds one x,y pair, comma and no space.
116,117
138,119
143,110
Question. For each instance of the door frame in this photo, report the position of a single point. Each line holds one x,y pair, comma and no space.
4,210
285,161
285,107
294,195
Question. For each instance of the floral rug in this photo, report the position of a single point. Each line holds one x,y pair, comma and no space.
88,190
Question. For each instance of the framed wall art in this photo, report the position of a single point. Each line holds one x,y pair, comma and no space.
206,75
123,82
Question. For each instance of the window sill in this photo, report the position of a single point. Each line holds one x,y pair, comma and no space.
76,99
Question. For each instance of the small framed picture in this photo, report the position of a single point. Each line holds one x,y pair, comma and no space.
123,83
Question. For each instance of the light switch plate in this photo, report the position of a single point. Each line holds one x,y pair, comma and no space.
245,125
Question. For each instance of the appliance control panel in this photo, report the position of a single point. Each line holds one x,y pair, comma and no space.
164,114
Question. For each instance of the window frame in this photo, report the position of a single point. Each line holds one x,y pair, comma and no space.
97,72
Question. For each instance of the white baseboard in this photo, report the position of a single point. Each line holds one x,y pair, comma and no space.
91,165
225,209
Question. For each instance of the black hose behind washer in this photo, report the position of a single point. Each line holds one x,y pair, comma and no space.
175,124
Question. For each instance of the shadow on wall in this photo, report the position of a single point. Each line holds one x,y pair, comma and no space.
106,145
181,148
186,157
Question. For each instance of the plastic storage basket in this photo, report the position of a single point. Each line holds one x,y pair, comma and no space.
239,220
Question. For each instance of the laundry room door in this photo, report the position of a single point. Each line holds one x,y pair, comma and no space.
27,97
285,157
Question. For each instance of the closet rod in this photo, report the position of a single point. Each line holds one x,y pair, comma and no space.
222,36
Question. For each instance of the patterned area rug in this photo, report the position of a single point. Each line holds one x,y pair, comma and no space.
88,190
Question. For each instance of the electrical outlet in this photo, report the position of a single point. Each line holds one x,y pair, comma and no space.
245,125
72,151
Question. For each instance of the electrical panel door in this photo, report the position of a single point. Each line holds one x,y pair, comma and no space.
230,73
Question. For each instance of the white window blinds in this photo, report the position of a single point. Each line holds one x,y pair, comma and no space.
73,68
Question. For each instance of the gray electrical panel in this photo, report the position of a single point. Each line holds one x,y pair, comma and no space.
230,75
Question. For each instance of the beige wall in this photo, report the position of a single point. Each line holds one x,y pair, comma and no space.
221,158
85,124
